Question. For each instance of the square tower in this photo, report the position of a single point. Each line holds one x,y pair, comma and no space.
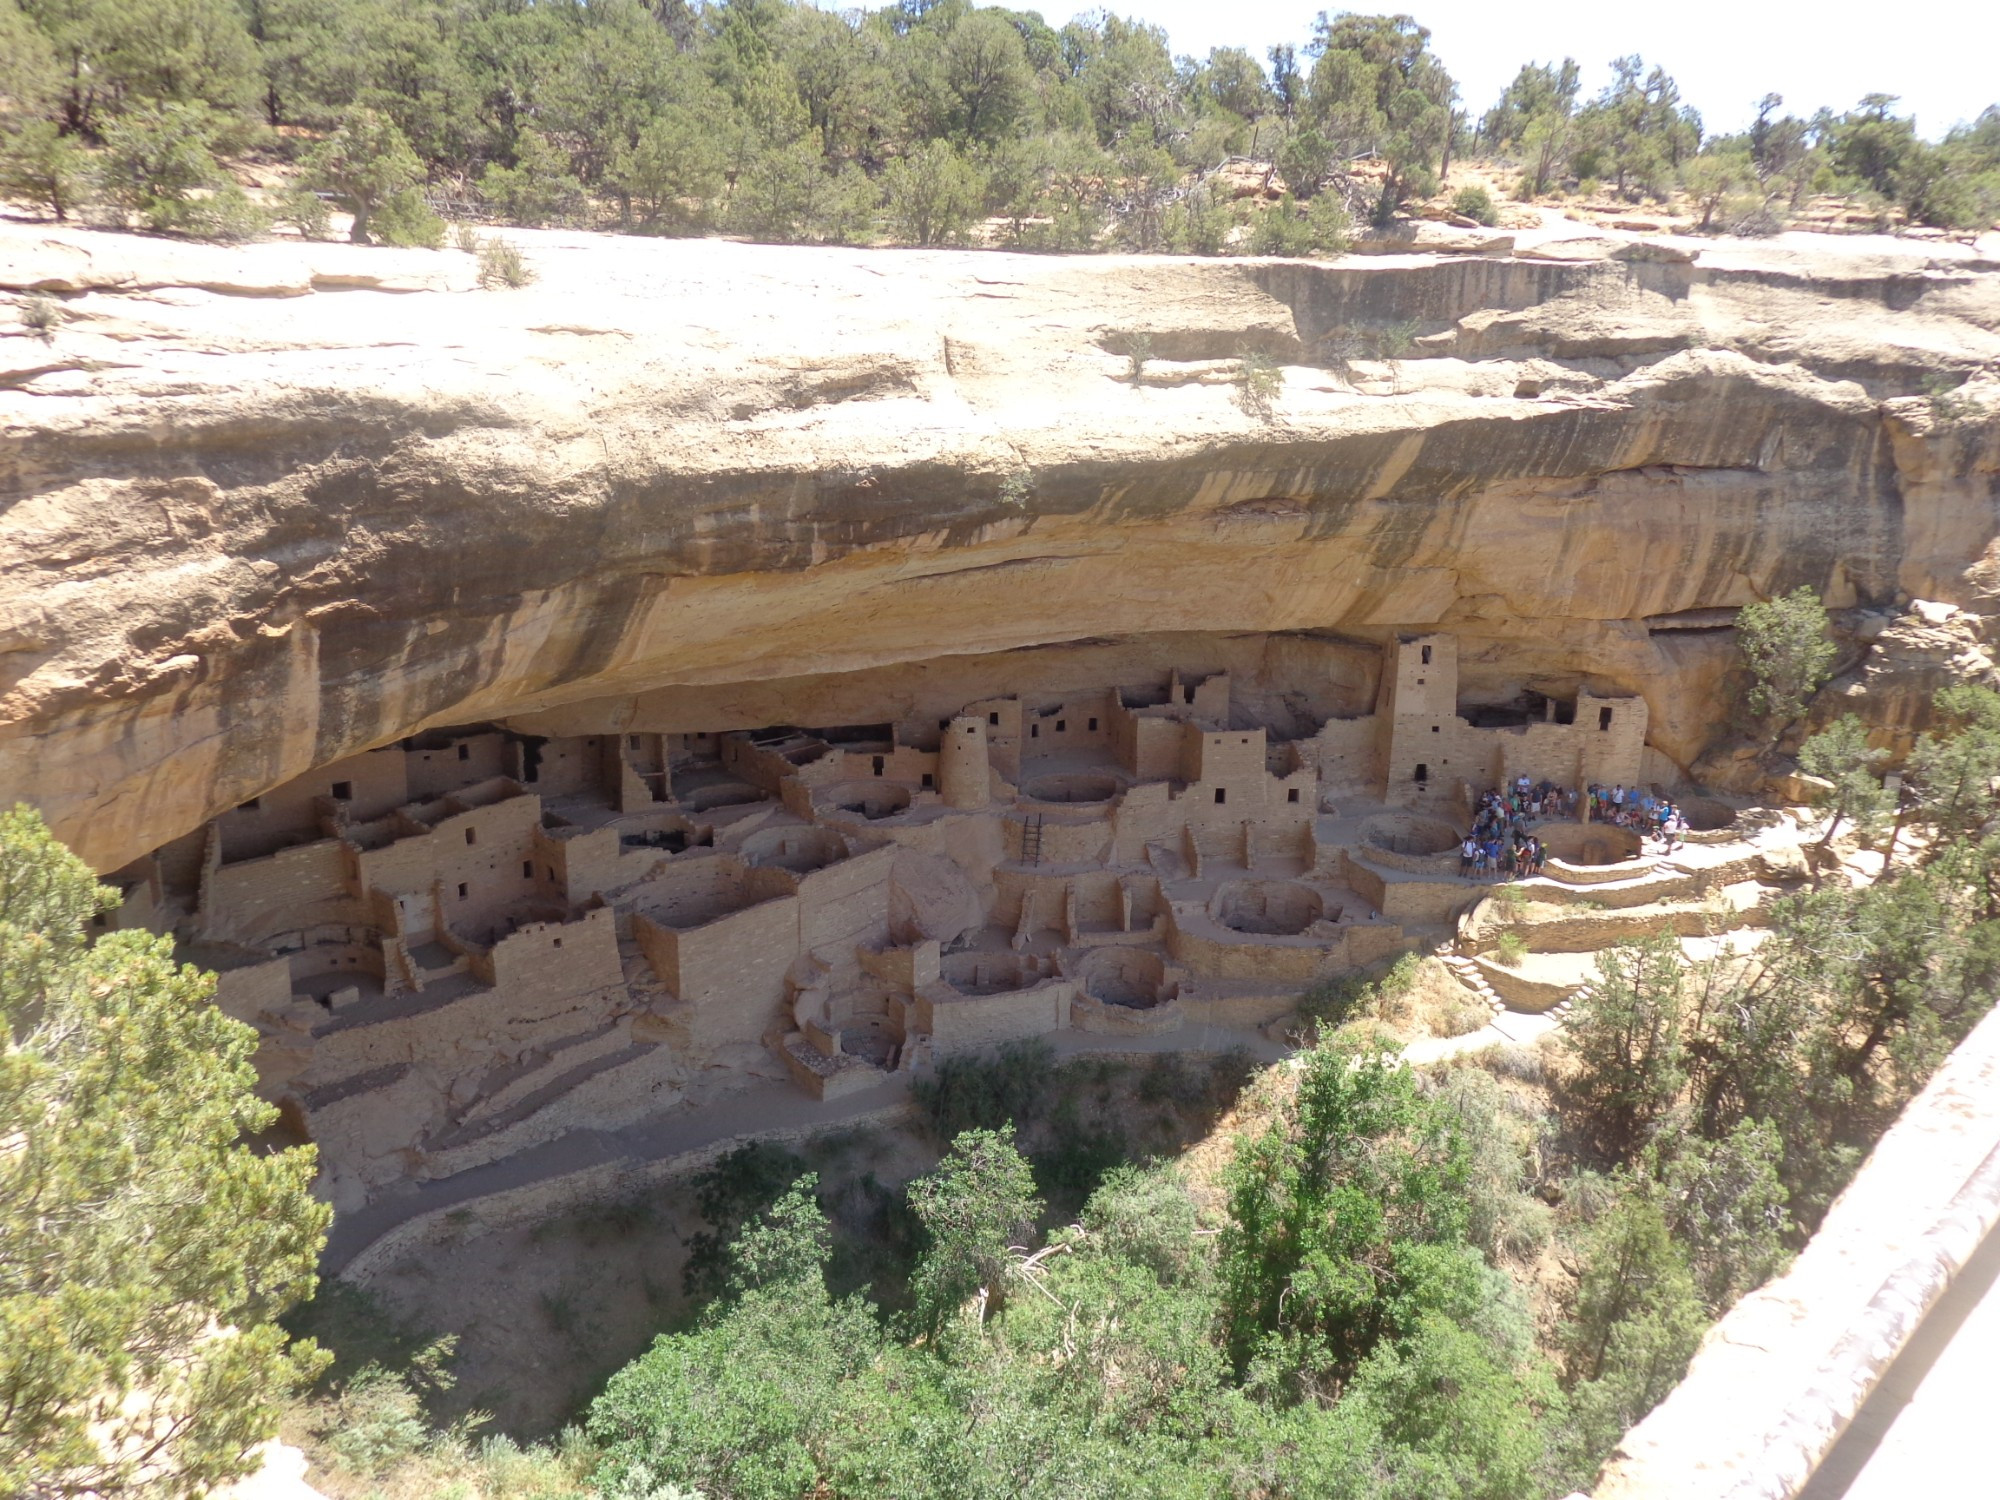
1417,715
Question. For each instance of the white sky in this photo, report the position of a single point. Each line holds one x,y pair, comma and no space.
1941,56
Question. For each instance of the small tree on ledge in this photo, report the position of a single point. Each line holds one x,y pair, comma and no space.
1785,646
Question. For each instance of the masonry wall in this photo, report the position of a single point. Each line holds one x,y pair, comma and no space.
1086,840
1613,754
249,990
1279,960
565,767
253,902
846,903
1081,722
375,781
461,762
730,971
1346,752
960,1023
1409,902
1418,722
1003,732
559,958
1147,745
477,877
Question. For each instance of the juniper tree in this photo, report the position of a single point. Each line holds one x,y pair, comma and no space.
145,1248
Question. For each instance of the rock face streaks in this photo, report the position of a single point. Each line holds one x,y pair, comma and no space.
269,506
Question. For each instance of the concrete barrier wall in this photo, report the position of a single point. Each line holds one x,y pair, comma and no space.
1779,1378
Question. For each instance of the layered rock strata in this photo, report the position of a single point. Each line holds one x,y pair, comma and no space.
268,507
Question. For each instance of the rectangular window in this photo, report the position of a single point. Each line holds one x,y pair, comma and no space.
461,890
472,835
1093,725
465,752
1603,718
558,942
1221,796
343,791
1034,731
1435,729
1062,726
993,718
878,765
1427,656
929,781
1291,794
1423,772
527,869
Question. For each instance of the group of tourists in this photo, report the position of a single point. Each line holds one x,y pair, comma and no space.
1500,846
1639,810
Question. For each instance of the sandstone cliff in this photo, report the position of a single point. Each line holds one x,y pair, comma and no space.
268,506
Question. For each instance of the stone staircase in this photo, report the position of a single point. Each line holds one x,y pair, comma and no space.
1466,972
1560,1010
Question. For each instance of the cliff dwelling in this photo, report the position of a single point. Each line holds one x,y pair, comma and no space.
470,940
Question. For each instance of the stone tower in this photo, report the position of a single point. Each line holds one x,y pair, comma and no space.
963,777
1418,713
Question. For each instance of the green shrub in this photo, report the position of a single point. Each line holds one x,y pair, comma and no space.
304,210
740,1186
1137,349
1017,489
1320,227
1947,405
1395,340
1475,203
1259,383
502,264
1335,1001
983,1091
405,219
1511,949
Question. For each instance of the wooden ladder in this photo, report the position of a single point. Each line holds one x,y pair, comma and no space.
1031,840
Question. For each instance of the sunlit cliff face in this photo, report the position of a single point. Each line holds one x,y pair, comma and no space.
269,507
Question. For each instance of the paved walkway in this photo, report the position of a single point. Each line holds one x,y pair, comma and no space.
1928,1428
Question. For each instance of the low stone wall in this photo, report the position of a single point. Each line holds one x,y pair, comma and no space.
1521,993
1435,865
1407,902
1588,931
1088,1013
958,1022
1247,1010
1569,874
